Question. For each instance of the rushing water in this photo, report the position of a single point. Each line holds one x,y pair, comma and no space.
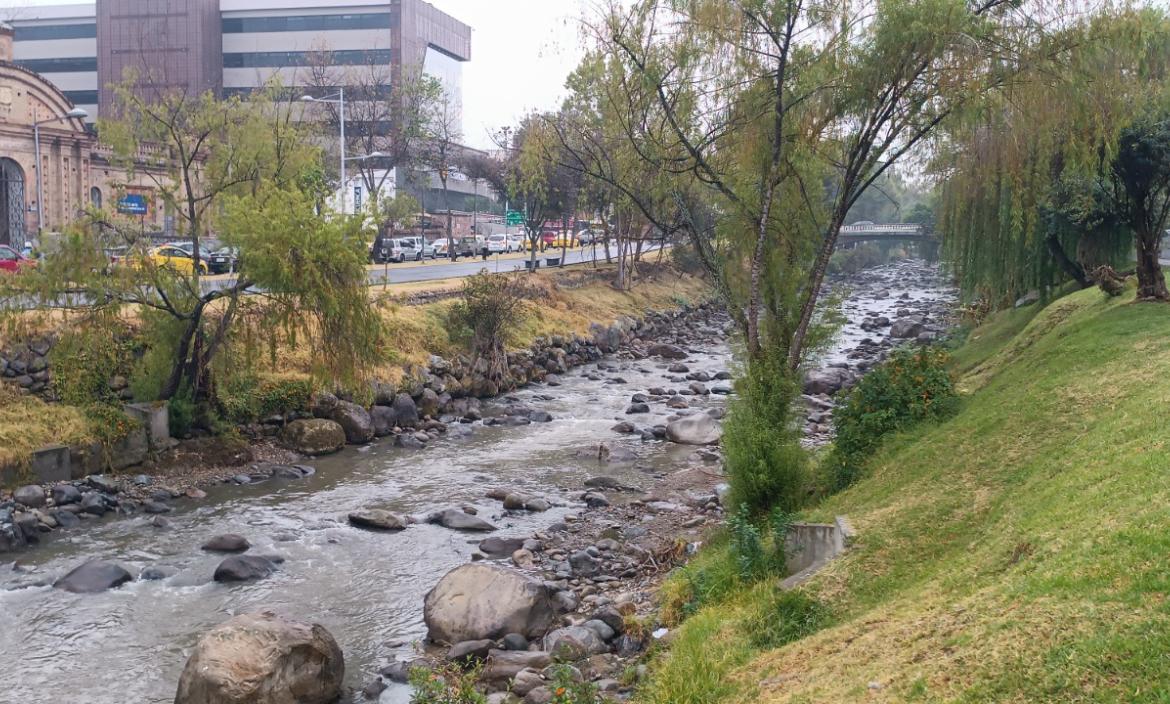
130,644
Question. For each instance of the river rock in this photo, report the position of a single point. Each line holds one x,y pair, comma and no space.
827,381
666,351
637,408
525,681
483,601
93,577
428,403
470,651
263,659
405,411
355,421
574,643
32,496
244,568
377,519
458,520
583,564
383,420
904,328
228,542
64,494
314,436
699,429
500,547
503,665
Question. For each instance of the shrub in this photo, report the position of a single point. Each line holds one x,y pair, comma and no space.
912,386
566,690
765,463
181,412
83,361
248,398
153,368
784,616
447,685
747,545
486,314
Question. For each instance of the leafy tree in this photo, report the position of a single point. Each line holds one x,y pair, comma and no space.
1142,170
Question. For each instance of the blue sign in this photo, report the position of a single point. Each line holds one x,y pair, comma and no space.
132,205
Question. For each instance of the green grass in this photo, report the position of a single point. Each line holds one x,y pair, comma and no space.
1016,552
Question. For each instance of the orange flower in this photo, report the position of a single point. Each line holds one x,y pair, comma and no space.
560,691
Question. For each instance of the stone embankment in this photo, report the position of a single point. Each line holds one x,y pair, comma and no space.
446,398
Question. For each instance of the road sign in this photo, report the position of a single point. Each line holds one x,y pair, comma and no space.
514,217
132,204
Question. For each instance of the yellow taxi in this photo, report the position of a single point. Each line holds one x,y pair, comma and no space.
565,240
167,257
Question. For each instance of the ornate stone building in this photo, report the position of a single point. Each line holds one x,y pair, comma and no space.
76,171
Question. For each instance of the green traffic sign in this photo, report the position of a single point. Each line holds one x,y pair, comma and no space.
515,217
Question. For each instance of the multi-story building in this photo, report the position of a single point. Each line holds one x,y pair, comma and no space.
232,46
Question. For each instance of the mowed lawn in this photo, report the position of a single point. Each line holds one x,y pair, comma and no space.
1018,552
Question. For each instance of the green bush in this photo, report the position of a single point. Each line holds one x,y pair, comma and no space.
153,368
83,361
181,412
912,386
247,398
447,685
766,465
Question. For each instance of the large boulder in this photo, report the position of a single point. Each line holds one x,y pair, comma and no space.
905,328
574,643
699,429
428,403
405,412
666,351
377,519
263,659
827,381
455,519
481,601
32,496
313,437
355,421
244,568
228,542
93,577
383,419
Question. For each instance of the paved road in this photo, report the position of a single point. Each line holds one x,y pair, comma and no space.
407,273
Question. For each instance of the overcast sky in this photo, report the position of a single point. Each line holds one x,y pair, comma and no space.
522,51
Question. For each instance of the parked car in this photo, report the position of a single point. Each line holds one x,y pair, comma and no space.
205,253
415,248
386,249
517,243
13,262
225,260
498,244
166,257
468,247
563,241
439,247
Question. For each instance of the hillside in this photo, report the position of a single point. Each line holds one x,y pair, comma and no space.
1017,552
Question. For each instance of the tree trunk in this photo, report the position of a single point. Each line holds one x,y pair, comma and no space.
450,237
1151,281
1076,271
180,364
815,280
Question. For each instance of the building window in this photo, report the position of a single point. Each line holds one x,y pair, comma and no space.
95,197
307,23
71,65
55,31
280,59
82,97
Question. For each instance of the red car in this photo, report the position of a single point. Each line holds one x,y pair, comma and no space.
12,261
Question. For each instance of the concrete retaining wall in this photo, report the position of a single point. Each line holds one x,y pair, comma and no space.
809,546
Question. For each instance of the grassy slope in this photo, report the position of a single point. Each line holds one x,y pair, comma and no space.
1017,552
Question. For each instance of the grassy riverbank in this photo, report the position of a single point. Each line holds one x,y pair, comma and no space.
1015,552
564,302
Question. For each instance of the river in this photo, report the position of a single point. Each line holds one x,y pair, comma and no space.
130,644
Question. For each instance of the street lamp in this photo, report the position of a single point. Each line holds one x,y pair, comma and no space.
74,114
339,100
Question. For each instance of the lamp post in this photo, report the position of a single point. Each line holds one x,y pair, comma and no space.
339,100
74,114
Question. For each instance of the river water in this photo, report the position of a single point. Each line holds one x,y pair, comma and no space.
130,644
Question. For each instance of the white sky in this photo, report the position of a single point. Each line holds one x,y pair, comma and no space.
521,53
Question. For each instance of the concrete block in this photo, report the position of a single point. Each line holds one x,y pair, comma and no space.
155,419
85,460
52,464
130,451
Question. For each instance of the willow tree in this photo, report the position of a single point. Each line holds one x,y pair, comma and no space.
247,170
1029,199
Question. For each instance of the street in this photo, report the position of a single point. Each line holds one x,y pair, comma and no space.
439,269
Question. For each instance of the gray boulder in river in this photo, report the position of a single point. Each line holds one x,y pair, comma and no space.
317,436
261,658
455,519
93,577
355,421
699,429
481,601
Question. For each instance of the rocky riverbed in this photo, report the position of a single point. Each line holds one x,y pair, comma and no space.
571,498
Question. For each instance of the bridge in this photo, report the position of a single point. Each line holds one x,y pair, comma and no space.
870,232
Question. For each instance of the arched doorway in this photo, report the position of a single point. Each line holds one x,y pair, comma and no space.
11,203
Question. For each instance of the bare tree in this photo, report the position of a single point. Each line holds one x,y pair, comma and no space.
442,153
